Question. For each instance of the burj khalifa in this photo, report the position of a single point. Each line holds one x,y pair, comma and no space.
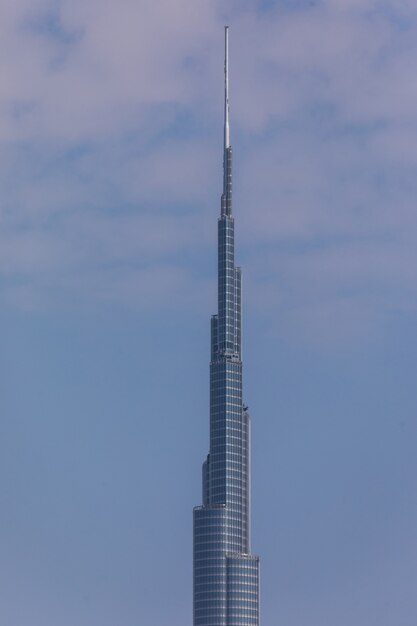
226,574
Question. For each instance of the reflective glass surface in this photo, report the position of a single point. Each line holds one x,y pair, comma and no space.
226,575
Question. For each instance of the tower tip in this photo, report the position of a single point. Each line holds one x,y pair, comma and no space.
226,88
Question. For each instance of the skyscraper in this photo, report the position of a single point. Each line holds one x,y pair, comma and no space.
226,575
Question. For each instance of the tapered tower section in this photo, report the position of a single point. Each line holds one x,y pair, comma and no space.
226,575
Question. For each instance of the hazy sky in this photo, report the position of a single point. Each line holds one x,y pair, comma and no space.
110,182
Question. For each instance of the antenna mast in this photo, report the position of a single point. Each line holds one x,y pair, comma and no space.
226,89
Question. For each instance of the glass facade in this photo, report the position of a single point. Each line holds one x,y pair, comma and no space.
226,575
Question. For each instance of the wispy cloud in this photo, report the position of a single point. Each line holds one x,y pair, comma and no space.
110,149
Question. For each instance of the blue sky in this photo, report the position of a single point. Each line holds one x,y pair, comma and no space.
110,181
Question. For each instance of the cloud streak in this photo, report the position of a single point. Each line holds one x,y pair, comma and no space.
110,147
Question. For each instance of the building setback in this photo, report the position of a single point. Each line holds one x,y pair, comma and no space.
226,574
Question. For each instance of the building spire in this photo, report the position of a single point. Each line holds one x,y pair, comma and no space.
225,573
226,89
226,204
